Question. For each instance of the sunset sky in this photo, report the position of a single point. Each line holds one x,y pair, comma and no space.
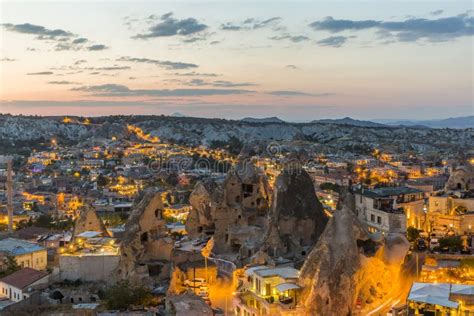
295,60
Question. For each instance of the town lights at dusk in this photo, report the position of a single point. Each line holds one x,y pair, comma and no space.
246,158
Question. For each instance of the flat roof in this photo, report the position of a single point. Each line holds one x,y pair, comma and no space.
387,191
438,293
285,272
287,286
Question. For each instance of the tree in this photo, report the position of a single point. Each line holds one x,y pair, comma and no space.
56,295
44,221
122,295
450,242
102,181
330,186
11,266
412,233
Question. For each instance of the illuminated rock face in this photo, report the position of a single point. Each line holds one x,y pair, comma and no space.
297,218
89,221
462,178
200,217
145,241
347,266
234,211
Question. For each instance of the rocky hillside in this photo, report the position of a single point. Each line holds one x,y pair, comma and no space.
195,131
349,265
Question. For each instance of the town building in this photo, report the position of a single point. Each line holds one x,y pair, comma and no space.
26,254
18,285
441,299
452,211
390,209
91,257
268,291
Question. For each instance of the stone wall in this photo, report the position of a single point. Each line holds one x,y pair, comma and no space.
87,268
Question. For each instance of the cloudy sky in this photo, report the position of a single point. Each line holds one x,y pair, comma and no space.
295,60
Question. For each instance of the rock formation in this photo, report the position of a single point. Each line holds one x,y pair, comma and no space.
145,247
187,304
461,178
200,218
297,218
235,212
89,221
348,265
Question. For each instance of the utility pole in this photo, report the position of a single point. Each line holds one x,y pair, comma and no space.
417,277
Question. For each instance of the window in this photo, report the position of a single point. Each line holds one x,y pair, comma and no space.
247,189
379,220
372,217
268,289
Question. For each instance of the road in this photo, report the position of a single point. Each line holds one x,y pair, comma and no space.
409,274
220,294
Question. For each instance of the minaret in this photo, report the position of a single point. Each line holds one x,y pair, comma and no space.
9,161
10,194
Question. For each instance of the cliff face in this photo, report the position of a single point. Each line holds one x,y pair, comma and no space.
201,212
144,240
347,266
297,218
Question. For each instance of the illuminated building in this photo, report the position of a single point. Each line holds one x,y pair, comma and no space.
268,291
441,299
26,254
390,209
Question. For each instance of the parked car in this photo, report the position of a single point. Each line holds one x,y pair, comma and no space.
197,282
178,244
203,293
421,244
434,243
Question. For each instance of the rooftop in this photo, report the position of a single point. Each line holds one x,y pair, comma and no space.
17,247
23,278
388,191
439,293
285,272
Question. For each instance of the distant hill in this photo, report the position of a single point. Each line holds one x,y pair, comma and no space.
350,121
178,114
272,119
25,132
452,122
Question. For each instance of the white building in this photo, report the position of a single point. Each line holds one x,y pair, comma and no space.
18,285
269,291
